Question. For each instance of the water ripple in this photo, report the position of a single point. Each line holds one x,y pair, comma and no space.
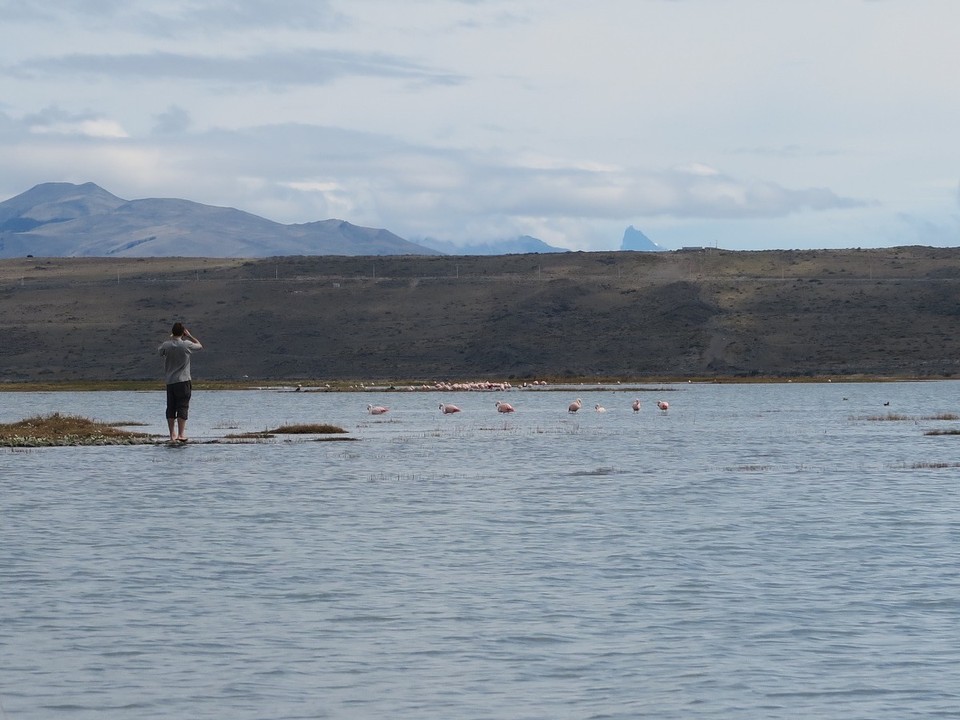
757,552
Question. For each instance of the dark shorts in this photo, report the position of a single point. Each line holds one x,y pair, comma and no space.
178,399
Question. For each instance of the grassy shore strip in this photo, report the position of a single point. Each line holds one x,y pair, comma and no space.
67,430
315,385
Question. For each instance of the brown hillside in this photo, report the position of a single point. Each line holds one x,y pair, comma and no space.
891,312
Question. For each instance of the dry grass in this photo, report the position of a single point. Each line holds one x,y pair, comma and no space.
301,429
942,432
307,429
57,429
896,416
888,416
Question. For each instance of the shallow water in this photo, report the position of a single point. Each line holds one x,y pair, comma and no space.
757,551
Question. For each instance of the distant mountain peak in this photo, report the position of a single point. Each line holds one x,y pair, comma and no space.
634,239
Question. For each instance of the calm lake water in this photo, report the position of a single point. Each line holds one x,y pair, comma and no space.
758,551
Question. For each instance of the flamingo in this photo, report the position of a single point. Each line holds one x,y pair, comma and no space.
504,407
599,408
663,405
448,409
377,409
575,405
636,405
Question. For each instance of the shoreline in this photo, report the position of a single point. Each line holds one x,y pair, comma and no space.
282,385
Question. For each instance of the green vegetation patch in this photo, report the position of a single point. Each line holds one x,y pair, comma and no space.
66,430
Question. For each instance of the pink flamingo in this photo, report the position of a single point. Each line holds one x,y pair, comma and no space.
663,405
575,405
377,409
599,408
636,405
504,407
448,409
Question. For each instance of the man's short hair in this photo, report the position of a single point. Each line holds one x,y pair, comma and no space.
177,329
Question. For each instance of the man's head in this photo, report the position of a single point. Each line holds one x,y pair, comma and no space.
177,330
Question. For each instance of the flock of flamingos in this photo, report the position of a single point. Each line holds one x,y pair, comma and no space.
505,407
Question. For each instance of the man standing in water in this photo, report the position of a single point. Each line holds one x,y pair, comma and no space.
176,366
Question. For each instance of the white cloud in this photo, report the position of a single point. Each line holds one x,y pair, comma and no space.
54,121
99,128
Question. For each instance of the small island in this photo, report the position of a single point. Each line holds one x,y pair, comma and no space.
67,430
58,430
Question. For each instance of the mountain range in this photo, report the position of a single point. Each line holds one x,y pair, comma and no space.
67,220
60,219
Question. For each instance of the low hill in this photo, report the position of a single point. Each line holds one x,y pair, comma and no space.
67,220
892,312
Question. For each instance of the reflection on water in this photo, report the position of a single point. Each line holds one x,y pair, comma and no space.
755,551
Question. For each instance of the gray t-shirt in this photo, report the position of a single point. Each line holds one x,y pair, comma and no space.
176,359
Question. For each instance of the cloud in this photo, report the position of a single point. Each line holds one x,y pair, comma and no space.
186,17
914,230
175,120
787,151
301,173
694,191
54,121
229,14
275,69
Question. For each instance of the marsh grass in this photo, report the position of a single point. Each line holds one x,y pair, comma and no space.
953,431
57,429
301,429
889,416
896,417
307,429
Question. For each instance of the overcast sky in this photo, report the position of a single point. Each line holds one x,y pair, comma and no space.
746,124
